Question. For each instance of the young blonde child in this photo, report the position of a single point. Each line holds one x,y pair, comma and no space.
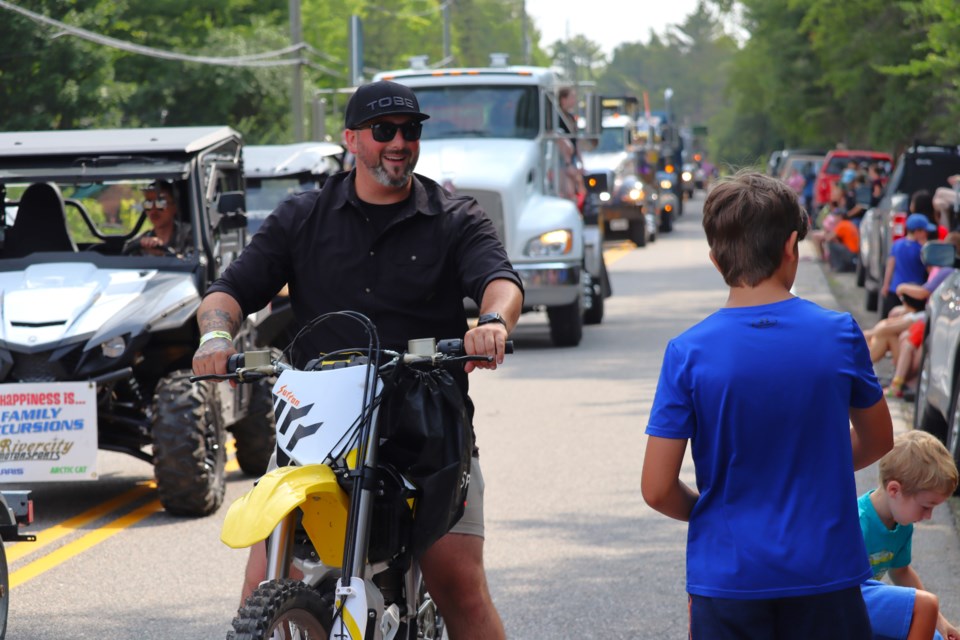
915,476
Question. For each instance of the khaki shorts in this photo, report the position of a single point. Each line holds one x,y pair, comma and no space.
471,524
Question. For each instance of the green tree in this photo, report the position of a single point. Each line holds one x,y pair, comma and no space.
52,81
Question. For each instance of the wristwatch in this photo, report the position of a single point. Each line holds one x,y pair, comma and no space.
487,318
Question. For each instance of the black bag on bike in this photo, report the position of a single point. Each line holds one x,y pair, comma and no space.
427,436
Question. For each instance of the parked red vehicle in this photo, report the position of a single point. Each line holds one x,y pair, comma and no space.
834,164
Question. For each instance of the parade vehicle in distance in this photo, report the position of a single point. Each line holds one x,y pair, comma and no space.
96,342
630,206
494,134
274,172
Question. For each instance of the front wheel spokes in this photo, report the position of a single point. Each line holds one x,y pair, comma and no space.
297,624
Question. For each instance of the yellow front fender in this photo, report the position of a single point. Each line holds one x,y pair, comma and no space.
313,488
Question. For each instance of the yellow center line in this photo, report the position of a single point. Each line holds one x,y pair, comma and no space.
98,535
48,536
613,253
80,545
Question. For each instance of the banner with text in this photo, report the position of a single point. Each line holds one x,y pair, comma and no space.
48,431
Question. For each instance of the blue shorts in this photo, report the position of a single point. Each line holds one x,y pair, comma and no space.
837,615
890,609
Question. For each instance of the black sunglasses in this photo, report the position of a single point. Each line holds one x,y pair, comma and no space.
386,131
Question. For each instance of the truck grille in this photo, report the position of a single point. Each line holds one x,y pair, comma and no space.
491,203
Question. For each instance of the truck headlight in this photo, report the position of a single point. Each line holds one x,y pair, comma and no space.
665,184
551,243
114,347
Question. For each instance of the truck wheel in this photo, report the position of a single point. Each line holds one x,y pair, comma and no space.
566,324
189,453
593,289
256,433
872,300
638,232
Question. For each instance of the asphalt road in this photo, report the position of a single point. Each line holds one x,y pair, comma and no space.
572,551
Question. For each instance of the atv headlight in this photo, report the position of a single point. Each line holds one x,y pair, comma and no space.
665,184
114,347
551,243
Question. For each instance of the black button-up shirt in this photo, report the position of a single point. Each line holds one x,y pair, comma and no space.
409,277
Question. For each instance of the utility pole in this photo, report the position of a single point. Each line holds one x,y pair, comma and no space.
446,31
296,94
524,33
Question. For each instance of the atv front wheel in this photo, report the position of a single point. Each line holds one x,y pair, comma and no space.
189,453
255,433
284,610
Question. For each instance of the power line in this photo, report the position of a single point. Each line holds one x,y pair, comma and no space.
251,60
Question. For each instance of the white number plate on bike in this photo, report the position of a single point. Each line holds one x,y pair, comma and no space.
315,410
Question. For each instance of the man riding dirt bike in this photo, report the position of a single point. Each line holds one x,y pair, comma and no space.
399,249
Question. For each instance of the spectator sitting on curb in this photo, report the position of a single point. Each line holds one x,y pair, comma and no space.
843,246
915,476
885,336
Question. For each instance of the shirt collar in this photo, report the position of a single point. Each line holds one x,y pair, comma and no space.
347,194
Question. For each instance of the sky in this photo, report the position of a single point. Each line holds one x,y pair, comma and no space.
606,22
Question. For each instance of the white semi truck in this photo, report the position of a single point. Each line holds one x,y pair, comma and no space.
494,134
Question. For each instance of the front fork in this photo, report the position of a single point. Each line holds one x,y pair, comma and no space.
280,548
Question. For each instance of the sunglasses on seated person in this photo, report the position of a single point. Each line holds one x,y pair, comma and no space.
386,131
159,203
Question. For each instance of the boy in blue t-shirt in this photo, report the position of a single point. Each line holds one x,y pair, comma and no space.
915,476
766,389
904,263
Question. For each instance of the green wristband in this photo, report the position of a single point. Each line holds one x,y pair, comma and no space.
212,335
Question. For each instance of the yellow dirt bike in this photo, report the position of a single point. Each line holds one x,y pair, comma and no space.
366,481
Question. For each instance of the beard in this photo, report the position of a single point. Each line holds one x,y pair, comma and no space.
382,175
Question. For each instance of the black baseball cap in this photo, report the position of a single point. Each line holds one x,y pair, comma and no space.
382,98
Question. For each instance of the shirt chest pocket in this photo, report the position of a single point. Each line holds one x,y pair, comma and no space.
413,274
416,258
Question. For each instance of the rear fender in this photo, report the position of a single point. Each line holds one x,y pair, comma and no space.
312,488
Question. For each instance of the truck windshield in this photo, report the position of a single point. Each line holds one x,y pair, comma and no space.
481,111
611,140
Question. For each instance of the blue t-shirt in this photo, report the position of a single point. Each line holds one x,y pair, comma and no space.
764,394
886,548
907,267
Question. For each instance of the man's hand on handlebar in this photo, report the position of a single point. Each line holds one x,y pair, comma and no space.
212,357
485,340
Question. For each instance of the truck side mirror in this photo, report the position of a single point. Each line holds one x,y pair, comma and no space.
594,115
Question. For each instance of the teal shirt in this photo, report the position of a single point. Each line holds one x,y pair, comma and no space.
886,548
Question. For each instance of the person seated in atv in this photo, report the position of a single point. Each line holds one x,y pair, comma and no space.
169,236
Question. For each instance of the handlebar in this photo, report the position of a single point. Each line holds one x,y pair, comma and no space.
442,352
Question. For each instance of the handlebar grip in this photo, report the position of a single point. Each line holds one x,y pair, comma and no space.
234,362
454,347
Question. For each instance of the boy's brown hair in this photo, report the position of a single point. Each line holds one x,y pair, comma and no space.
919,462
748,218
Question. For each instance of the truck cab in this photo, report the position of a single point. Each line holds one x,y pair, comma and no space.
494,134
